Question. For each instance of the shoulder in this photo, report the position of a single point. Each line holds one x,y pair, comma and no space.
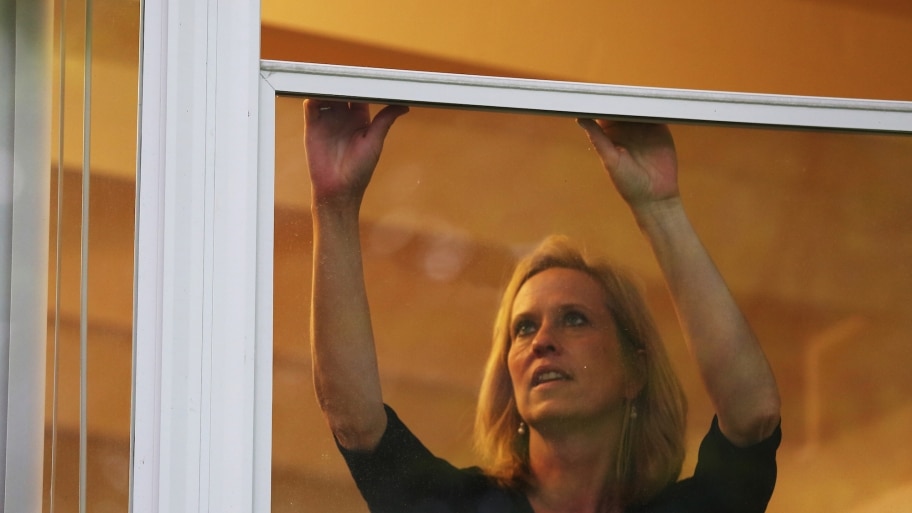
727,478
401,475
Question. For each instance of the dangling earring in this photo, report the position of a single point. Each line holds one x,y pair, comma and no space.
521,430
625,444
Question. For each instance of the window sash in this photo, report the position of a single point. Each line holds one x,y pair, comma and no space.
203,320
547,97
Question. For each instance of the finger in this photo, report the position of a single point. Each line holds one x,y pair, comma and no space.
315,108
310,107
602,142
617,131
361,109
385,118
311,112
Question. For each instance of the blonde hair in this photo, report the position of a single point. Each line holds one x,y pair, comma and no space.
652,445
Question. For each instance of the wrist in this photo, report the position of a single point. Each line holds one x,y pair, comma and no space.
335,211
336,200
659,212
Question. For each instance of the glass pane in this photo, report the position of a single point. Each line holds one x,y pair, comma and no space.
91,265
810,229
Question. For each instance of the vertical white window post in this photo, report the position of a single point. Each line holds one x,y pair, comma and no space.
196,259
25,114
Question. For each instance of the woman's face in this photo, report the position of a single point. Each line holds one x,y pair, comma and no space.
565,358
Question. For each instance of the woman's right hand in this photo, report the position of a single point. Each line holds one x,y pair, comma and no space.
343,146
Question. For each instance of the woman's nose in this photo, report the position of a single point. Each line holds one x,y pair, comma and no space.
544,341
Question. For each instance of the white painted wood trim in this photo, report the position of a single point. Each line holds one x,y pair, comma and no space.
585,99
196,258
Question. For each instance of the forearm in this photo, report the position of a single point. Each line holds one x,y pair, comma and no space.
346,377
732,364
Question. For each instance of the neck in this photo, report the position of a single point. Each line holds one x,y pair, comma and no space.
574,470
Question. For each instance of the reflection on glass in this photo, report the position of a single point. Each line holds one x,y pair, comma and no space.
99,432
811,230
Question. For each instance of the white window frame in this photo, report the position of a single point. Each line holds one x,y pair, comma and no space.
196,273
203,315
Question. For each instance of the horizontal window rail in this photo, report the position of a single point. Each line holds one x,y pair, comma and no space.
586,99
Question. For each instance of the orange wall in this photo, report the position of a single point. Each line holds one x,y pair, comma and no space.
848,48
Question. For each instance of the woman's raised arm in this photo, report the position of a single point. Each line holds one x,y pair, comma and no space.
343,146
642,162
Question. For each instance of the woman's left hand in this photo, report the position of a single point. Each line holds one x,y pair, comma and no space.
639,157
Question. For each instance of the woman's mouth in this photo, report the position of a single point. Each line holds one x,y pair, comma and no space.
548,376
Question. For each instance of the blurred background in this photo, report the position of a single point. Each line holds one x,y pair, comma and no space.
812,229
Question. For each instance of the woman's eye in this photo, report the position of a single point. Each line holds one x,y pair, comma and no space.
524,327
575,319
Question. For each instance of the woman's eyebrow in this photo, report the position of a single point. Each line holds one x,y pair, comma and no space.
573,306
519,316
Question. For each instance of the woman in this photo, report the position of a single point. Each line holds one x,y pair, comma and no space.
579,410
